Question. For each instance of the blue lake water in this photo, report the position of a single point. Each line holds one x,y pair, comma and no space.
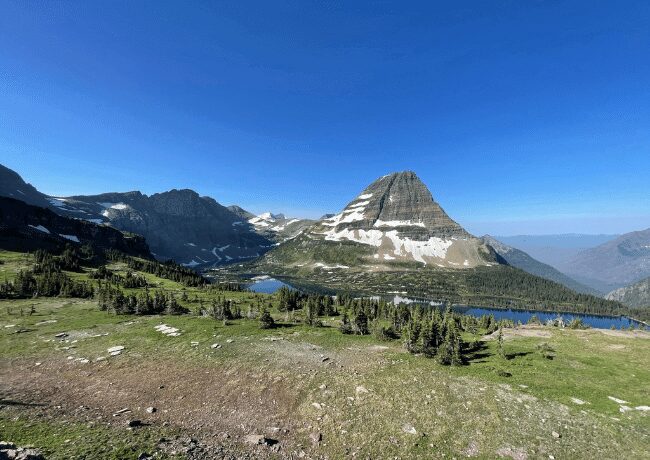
595,321
267,286
270,285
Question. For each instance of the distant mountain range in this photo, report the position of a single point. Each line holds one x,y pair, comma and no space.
555,250
522,260
394,225
179,224
620,262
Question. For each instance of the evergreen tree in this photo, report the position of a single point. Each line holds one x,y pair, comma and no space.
266,320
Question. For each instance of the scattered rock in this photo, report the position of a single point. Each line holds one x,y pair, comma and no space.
7,445
168,330
514,453
408,428
316,438
643,408
259,440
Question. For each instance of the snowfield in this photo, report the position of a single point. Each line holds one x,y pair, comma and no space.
397,223
70,237
40,228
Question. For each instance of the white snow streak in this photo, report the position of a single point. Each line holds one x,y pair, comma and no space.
40,228
70,237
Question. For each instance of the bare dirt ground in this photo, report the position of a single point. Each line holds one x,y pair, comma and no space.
220,404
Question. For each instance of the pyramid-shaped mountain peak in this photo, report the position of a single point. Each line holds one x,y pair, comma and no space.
395,219
399,200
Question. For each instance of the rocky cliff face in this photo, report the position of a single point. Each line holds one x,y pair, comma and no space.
635,295
179,225
24,227
395,219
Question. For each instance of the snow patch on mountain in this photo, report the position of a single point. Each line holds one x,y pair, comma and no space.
40,228
329,267
398,223
73,238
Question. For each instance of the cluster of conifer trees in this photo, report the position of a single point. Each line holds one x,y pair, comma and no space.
169,270
47,278
111,298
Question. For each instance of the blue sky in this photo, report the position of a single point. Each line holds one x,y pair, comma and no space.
521,117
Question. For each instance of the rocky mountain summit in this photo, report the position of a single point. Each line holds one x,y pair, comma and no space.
395,220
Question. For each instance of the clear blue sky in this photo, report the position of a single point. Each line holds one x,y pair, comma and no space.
521,117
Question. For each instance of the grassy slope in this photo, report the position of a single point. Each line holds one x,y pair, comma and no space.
455,411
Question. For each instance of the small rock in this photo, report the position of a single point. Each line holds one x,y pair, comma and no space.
60,335
194,344
556,435
361,389
324,359
317,405
315,438
7,445
230,341
151,410
115,349
215,345
258,439
408,428
121,411
144,456
323,387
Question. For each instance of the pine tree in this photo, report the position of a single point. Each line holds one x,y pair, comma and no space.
266,320
361,323
500,350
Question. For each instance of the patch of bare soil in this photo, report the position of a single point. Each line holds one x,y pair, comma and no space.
219,405
522,331
635,334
